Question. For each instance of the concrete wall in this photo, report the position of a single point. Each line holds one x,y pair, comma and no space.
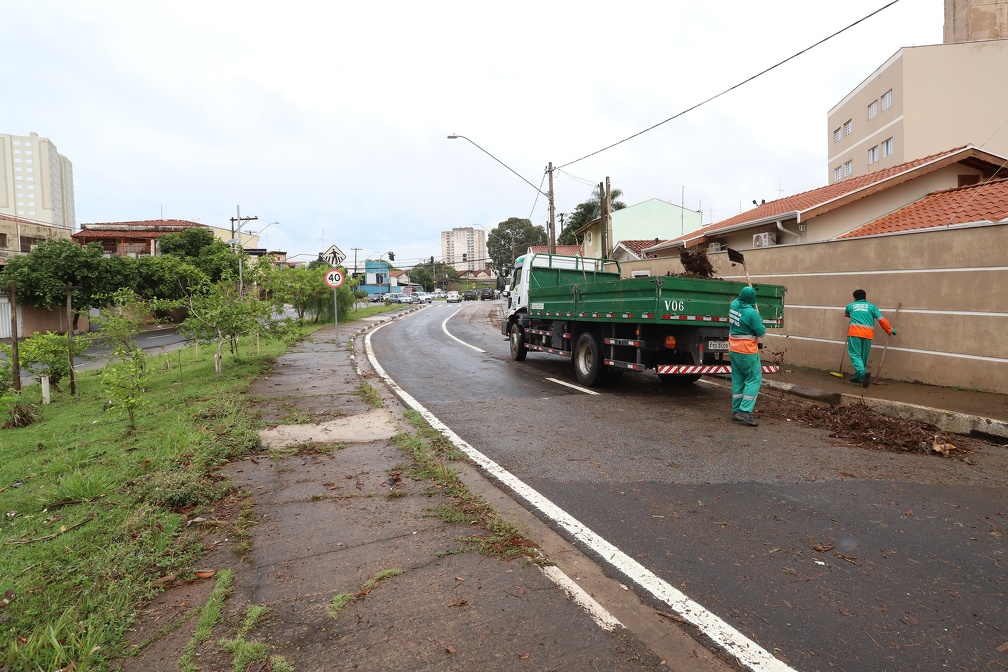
952,328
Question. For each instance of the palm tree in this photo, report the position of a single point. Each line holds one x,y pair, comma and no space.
587,211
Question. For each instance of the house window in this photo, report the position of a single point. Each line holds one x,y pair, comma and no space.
3,241
848,169
887,148
848,128
836,135
873,155
837,173
887,100
873,109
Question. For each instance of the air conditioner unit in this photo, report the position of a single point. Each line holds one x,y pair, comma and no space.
764,239
714,247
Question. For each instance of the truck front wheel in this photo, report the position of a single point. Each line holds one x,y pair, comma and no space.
517,339
588,360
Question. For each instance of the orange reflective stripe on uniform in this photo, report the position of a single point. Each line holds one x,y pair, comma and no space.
744,345
861,331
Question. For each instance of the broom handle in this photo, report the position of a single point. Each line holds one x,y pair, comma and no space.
878,371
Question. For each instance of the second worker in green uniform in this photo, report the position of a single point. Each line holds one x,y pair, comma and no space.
745,326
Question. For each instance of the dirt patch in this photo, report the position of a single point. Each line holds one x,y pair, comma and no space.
857,425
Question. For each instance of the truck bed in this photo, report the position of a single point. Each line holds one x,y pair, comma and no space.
604,296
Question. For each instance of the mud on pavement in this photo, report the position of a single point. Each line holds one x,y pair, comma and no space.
356,573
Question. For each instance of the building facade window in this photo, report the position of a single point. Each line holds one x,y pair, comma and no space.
887,100
887,147
836,135
848,127
848,169
837,173
873,109
873,155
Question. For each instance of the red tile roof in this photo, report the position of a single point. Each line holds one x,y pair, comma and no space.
175,223
984,202
808,204
638,246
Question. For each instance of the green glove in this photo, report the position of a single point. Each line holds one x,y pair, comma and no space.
893,332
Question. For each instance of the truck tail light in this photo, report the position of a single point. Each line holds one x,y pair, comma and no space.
670,342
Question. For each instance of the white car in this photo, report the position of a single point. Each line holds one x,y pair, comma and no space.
454,297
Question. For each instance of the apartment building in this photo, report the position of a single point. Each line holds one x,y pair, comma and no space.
36,181
464,248
928,99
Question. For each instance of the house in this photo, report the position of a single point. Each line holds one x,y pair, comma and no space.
829,212
20,236
653,218
131,239
565,250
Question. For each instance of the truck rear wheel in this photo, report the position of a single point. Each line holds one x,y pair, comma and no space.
517,339
588,360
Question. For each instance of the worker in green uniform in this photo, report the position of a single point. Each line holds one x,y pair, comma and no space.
862,316
745,326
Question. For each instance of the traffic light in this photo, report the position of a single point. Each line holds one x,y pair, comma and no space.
391,256
432,260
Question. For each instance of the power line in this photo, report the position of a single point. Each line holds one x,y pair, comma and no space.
732,88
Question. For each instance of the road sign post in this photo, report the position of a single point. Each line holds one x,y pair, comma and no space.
334,279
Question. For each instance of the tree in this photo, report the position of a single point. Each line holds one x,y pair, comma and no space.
204,251
167,277
217,313
430,278
125,374
42,275
585,212
511,239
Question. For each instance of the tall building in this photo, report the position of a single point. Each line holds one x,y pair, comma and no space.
928,99
464,248
36,181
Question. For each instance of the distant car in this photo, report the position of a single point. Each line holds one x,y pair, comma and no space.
487,293
377,298
424,297
398,298
454,297
470,295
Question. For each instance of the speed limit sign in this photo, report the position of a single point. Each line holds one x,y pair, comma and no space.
334,279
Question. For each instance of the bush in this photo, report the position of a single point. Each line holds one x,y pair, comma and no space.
45,354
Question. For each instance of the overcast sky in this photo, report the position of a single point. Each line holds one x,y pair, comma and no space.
331,118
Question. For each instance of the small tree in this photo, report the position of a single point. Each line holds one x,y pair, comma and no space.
125,374
219,314
46,354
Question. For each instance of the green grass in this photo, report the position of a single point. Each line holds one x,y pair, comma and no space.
95,513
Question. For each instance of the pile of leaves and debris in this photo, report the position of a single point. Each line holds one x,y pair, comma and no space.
696,264
858,425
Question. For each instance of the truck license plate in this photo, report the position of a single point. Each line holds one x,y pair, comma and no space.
717,345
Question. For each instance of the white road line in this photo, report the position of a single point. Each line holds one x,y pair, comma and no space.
601,615
576,387
444,328
749,654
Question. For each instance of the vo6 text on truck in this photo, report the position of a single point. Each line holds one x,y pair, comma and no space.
607,324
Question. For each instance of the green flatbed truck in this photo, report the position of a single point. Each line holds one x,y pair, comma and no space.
607,324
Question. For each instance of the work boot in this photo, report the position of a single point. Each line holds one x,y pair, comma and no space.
737,416
866,381
745,417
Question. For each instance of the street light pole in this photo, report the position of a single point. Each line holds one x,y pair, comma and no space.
237,222
549,196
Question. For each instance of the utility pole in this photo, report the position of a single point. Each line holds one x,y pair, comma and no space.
608,219
355,250
238,221
552,208
69,309
15,366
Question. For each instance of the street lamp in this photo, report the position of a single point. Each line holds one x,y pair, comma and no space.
259,232
549,196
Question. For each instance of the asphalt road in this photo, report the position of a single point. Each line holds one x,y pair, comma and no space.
828,557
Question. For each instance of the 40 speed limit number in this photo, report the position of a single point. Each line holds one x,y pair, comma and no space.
334,279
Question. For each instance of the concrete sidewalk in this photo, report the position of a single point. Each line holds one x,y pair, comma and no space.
336,510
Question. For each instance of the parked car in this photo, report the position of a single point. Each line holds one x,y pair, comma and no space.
487,293
377,298
398,298
454,297
470,295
